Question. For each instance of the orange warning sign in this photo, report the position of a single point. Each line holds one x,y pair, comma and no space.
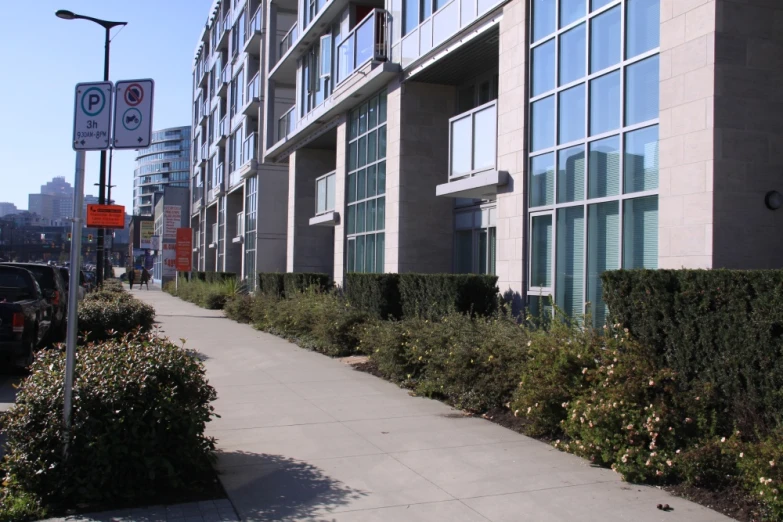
106,216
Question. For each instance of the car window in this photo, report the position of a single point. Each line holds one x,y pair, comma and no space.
44,275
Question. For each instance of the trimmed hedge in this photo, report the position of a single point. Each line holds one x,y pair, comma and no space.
271,283
376,294
209,277
295,282
428,296
722,327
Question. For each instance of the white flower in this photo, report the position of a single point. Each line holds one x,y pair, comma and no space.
742,455
723,439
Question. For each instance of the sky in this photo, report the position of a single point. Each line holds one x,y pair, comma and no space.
47,56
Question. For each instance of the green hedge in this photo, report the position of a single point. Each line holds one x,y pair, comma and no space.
722,327
271,283
295,282
209,277
376,294
429,296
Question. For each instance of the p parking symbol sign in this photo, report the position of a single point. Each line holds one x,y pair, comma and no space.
92,116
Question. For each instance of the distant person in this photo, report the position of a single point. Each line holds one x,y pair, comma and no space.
145,278
131,277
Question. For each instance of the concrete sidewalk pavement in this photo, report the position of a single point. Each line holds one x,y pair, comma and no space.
305,437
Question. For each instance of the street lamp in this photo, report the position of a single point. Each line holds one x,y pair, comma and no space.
107,25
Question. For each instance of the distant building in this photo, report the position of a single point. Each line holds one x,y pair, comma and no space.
7,208
171,212
57,187
166,162
55,201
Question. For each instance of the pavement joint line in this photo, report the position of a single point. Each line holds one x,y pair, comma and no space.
565,486
424,503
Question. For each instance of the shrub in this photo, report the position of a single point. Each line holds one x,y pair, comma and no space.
219,277
376,294
210,295
724,327
433,296
388,344
105,315
295,282
239,308
141,405
271,283
760,471
112,285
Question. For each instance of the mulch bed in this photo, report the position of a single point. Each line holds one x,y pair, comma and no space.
732,502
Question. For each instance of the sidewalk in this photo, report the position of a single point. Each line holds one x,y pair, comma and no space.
305,437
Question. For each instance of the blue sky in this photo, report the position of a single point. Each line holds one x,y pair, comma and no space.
45,57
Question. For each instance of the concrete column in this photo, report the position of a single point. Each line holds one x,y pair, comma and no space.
419,225
512,152
339,203
310,248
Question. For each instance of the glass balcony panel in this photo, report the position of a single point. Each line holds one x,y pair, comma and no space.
473,141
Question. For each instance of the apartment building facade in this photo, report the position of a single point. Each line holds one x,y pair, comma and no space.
544,141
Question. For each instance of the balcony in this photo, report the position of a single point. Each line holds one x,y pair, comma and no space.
218,187
216,31
240,227
225,80
203,112
253,34
225,26
204,155
213,238
286,124
367,41
324,201
473,155
197,193
203,72
288,40
252,97
248,163
222,132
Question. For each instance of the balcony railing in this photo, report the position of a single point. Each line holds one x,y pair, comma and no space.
367,41
252,89
217,176
240,224
204,151
198,193
286,123
288,40
473,141
216,31
214,237
324,193
222,128
254,24
249,149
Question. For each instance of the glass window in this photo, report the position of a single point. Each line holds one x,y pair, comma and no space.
605,103
605,40
543,18
570,260
372,181
641,160
543,124
541,251
464,251
485,131
381,178
571,175
544,68
641,91
379,251
598,4
571,11
640,233
410,16
571,115
461,138
642,28
603,253
542,180
604,168
572,55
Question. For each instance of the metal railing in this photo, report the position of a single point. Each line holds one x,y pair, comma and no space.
367,41
324,193
288,40
473,141
253,88
204,151
254,24
198,193
216,32
222,127
217,175
286,124
225,74
249,149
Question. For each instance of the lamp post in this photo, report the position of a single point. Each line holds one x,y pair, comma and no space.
107,25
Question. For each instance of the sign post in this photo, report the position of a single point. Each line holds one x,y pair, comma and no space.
133,114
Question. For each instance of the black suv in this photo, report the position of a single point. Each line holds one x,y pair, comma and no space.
53,289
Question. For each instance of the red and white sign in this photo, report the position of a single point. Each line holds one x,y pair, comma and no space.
184,249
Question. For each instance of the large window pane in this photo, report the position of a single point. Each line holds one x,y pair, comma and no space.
351,256
642,28
569,293
371,215
351,187
360,217
572,55
543,18
482,251
485,133
605,103
380,214
382,142
641,160
603,253
541,251
369,249
571,175
379,252
492,269
571,11
361,184
410,19
542,180
464,250
351,219
598,4
352,156
640,233
604,168
544,68
372,181
382,177
461,137
543,131
360,254
372,147
641,91
605,40
571,115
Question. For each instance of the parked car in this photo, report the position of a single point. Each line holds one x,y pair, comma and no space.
66,275
54,292
25,315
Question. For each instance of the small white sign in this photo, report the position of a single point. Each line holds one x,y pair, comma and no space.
133,113
92,116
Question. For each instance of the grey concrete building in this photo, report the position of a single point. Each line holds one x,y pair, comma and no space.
165,163
544,141
172,211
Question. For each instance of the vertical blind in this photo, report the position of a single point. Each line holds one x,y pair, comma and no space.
569,260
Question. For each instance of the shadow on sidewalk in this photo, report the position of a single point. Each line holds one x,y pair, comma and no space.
273,487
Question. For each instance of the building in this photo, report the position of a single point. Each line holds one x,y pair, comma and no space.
172,207
57,187
55,201
544,141
166,162
7,208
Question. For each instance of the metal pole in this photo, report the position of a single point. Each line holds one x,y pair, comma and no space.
102,180
73,294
